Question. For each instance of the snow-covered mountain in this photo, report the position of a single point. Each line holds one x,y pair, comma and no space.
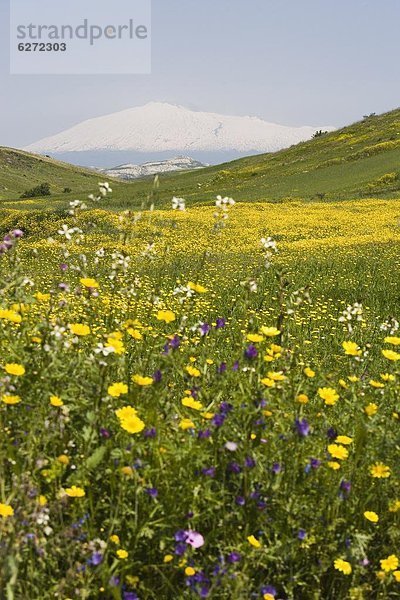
161,127
181,163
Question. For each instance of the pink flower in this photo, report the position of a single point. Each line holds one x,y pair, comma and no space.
195,539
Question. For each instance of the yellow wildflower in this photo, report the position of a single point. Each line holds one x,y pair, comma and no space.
270,331
117,389
142,381
338,451
344,439
132,424
308,372
253,541
10,315
79,329
332,464
7,399
329,395
376,384
371,409
268,382
192,371
168,316
196,287
254,337
371,516
135,333
56,401
391,355
191,403
395,341
303,399
126,412
75,492
343,566
186,424
390,563
394,506
6,510
351,349
379,471
387,377
89,282
14,369
276,376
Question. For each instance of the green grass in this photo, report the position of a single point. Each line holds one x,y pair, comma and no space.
21,171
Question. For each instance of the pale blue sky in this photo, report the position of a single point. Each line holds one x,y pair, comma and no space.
295,62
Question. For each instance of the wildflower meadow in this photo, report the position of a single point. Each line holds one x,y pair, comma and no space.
200,402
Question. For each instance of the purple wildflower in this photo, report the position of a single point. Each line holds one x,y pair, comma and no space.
249,462
218,420
208,471
251,352
268,589
204,434
302,534
150,433
235,468
157,376
204,329
303,427
222,368
96,559
234,557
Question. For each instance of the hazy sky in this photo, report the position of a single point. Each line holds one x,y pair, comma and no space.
294,62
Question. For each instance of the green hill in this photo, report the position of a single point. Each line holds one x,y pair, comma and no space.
21,171
361,160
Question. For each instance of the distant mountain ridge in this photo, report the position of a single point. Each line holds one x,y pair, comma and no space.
129,171
161,127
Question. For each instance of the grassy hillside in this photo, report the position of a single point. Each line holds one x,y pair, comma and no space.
361,160
21,171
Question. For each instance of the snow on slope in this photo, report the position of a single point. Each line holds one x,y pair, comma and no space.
128,171
159,126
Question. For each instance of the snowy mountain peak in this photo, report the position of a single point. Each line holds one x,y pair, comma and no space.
164,127
129,171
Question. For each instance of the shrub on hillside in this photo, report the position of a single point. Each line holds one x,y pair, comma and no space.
40,190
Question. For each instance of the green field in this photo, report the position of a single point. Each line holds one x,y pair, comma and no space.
204,403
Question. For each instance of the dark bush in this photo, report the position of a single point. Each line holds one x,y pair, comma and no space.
40,190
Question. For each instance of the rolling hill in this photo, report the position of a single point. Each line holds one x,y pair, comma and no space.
21,171
360,160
